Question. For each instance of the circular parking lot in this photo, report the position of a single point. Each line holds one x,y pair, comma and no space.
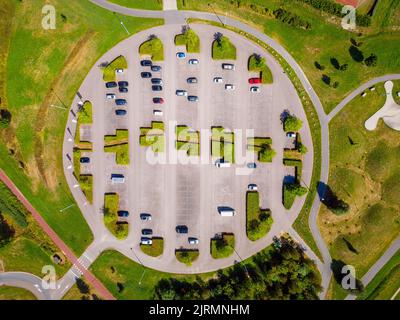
182,156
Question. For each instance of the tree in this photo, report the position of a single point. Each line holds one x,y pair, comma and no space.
344,67
302,148
292,123
335,84
82,286
326,79
372,60
335,63
297,189
6,231
5,118
319,66
356,54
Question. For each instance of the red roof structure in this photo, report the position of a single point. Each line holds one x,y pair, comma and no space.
353,3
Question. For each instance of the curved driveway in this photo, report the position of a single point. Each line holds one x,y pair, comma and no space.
26,281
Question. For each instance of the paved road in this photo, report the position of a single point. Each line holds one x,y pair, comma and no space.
54,237
26,281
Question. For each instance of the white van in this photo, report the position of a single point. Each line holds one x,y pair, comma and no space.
226,212
117,178
158,113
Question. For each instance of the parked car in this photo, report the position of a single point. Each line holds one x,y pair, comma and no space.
251,165
192,240
123,83
181,55
218,80
222,164
157,113
158,100
252,187
112,84
229,87
145,216
123,213
120,112
123,89
193,98
119,70
147,232
156,88
193,61
255,89
157,81
155,68
291,134
146,75
146,241
191,80
85,160
254,80
146,63
120,102
181,93
182,229
117,178
228,66
110,96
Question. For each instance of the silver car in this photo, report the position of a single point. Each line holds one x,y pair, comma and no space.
181,93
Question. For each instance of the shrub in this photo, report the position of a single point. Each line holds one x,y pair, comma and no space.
292,123
5,118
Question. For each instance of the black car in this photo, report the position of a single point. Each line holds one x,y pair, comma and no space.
192,80
193,98
120,112
156,81
158,100
111,84
120,102
146,63
147,232
155,68
182,229
146,75
156,88
85,160
123,83
123,89
123,213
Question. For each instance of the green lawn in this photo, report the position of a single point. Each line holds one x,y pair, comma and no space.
58,59
111,207
156,249
385,283
118,144
189,39
187,256
153,136
140,4
223,144
153,47
223,248
13,293
262,146
288,197
223,49
323,41
358,177
188,140
81,290
258,221
109,71
258,64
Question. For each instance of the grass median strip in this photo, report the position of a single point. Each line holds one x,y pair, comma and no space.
119,145
188,140
187,256
153,136
155,249
258,64
223,49
258,221
223,247
109,72
190,39
223,144
153,47
111,206
263,148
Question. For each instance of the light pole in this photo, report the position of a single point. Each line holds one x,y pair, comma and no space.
70,206
122,24
216,14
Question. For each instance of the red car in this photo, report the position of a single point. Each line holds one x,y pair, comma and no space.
158,100
254,80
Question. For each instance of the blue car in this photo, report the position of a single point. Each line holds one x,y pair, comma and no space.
120,102
123,213
111,84
181,55
120,112
85,160
251,165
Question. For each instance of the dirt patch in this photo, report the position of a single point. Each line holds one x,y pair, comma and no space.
71,63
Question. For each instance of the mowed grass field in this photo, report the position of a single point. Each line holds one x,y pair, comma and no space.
325,40
46,67
13,293
140,4
364,172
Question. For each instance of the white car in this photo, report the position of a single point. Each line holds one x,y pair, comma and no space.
145,216
181,93
193,241
252,187
193,61
110,96
229,87
146,241
291,134
119,70
255,89
228,66
158,113
218,80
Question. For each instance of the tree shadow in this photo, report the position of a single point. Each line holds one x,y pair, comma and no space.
82,286
349,246
356,54
329,198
